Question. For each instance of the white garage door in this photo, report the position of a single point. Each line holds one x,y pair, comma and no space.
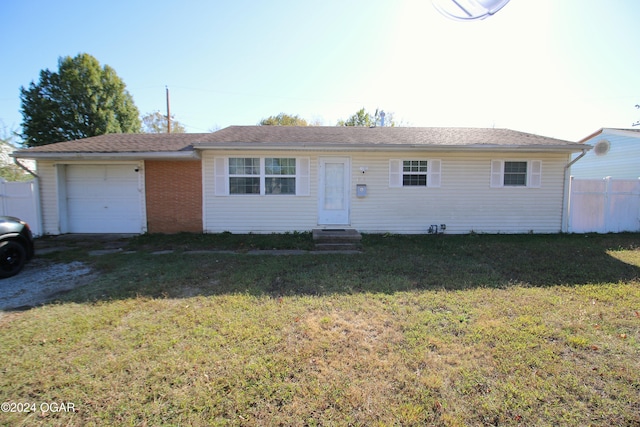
103,199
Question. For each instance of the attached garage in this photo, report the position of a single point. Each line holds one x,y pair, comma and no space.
101,198
119,183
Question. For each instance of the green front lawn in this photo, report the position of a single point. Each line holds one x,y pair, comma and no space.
415,330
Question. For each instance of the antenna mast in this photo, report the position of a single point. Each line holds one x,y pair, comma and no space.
168,112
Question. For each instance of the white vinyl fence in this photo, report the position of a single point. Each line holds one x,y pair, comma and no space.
604,205
19,199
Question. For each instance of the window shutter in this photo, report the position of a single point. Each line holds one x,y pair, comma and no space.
535,176
221,182
434,173
395,173
496,173
303,174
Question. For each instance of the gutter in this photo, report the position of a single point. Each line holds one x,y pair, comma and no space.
306,146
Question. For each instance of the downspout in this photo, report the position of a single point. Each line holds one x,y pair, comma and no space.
23,167
566,205
584,152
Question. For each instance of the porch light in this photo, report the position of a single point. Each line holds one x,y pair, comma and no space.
468,10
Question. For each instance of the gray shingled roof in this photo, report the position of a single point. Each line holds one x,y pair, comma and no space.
123,143
348,135
303,138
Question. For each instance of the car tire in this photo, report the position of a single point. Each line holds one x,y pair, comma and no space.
13,256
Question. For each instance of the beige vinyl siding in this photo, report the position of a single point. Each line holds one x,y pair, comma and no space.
464,201
47,177
253,213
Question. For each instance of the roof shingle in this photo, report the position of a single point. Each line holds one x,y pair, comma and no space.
323,135
123,143
301,137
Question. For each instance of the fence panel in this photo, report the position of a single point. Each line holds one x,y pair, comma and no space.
19,199
604,205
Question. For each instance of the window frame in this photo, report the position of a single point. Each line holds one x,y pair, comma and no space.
245,175
222,176
415,173
268,176
397,173
533,173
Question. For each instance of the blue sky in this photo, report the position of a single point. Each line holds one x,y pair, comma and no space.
560,68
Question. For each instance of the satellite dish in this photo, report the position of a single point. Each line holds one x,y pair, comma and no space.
468,10
602,147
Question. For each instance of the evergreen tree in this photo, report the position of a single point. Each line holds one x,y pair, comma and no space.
81,100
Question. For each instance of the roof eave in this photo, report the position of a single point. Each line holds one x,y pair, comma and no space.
153,155
243,146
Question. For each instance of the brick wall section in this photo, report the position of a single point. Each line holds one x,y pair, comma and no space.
174,196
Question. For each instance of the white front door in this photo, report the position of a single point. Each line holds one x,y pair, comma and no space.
333,190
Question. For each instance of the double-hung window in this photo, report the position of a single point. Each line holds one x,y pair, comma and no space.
280,175
414,173
244,175
516,173
261,176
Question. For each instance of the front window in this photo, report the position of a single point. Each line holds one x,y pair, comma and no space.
253,175
280,175
244,175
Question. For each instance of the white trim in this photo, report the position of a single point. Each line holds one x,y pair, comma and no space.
335,216
534,173
497,173
396,173
305,146
302,176
221,176
533,178
434,173
128,156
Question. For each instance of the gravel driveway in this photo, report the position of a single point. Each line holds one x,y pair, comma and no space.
42,279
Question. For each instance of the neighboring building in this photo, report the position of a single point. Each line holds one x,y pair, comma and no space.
615,154
265,179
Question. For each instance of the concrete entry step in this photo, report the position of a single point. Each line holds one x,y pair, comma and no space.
336,239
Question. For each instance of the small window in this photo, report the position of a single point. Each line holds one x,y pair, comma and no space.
515,174
414,173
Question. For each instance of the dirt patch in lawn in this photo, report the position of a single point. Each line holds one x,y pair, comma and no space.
40,281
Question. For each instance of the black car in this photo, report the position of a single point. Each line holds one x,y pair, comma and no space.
16,245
